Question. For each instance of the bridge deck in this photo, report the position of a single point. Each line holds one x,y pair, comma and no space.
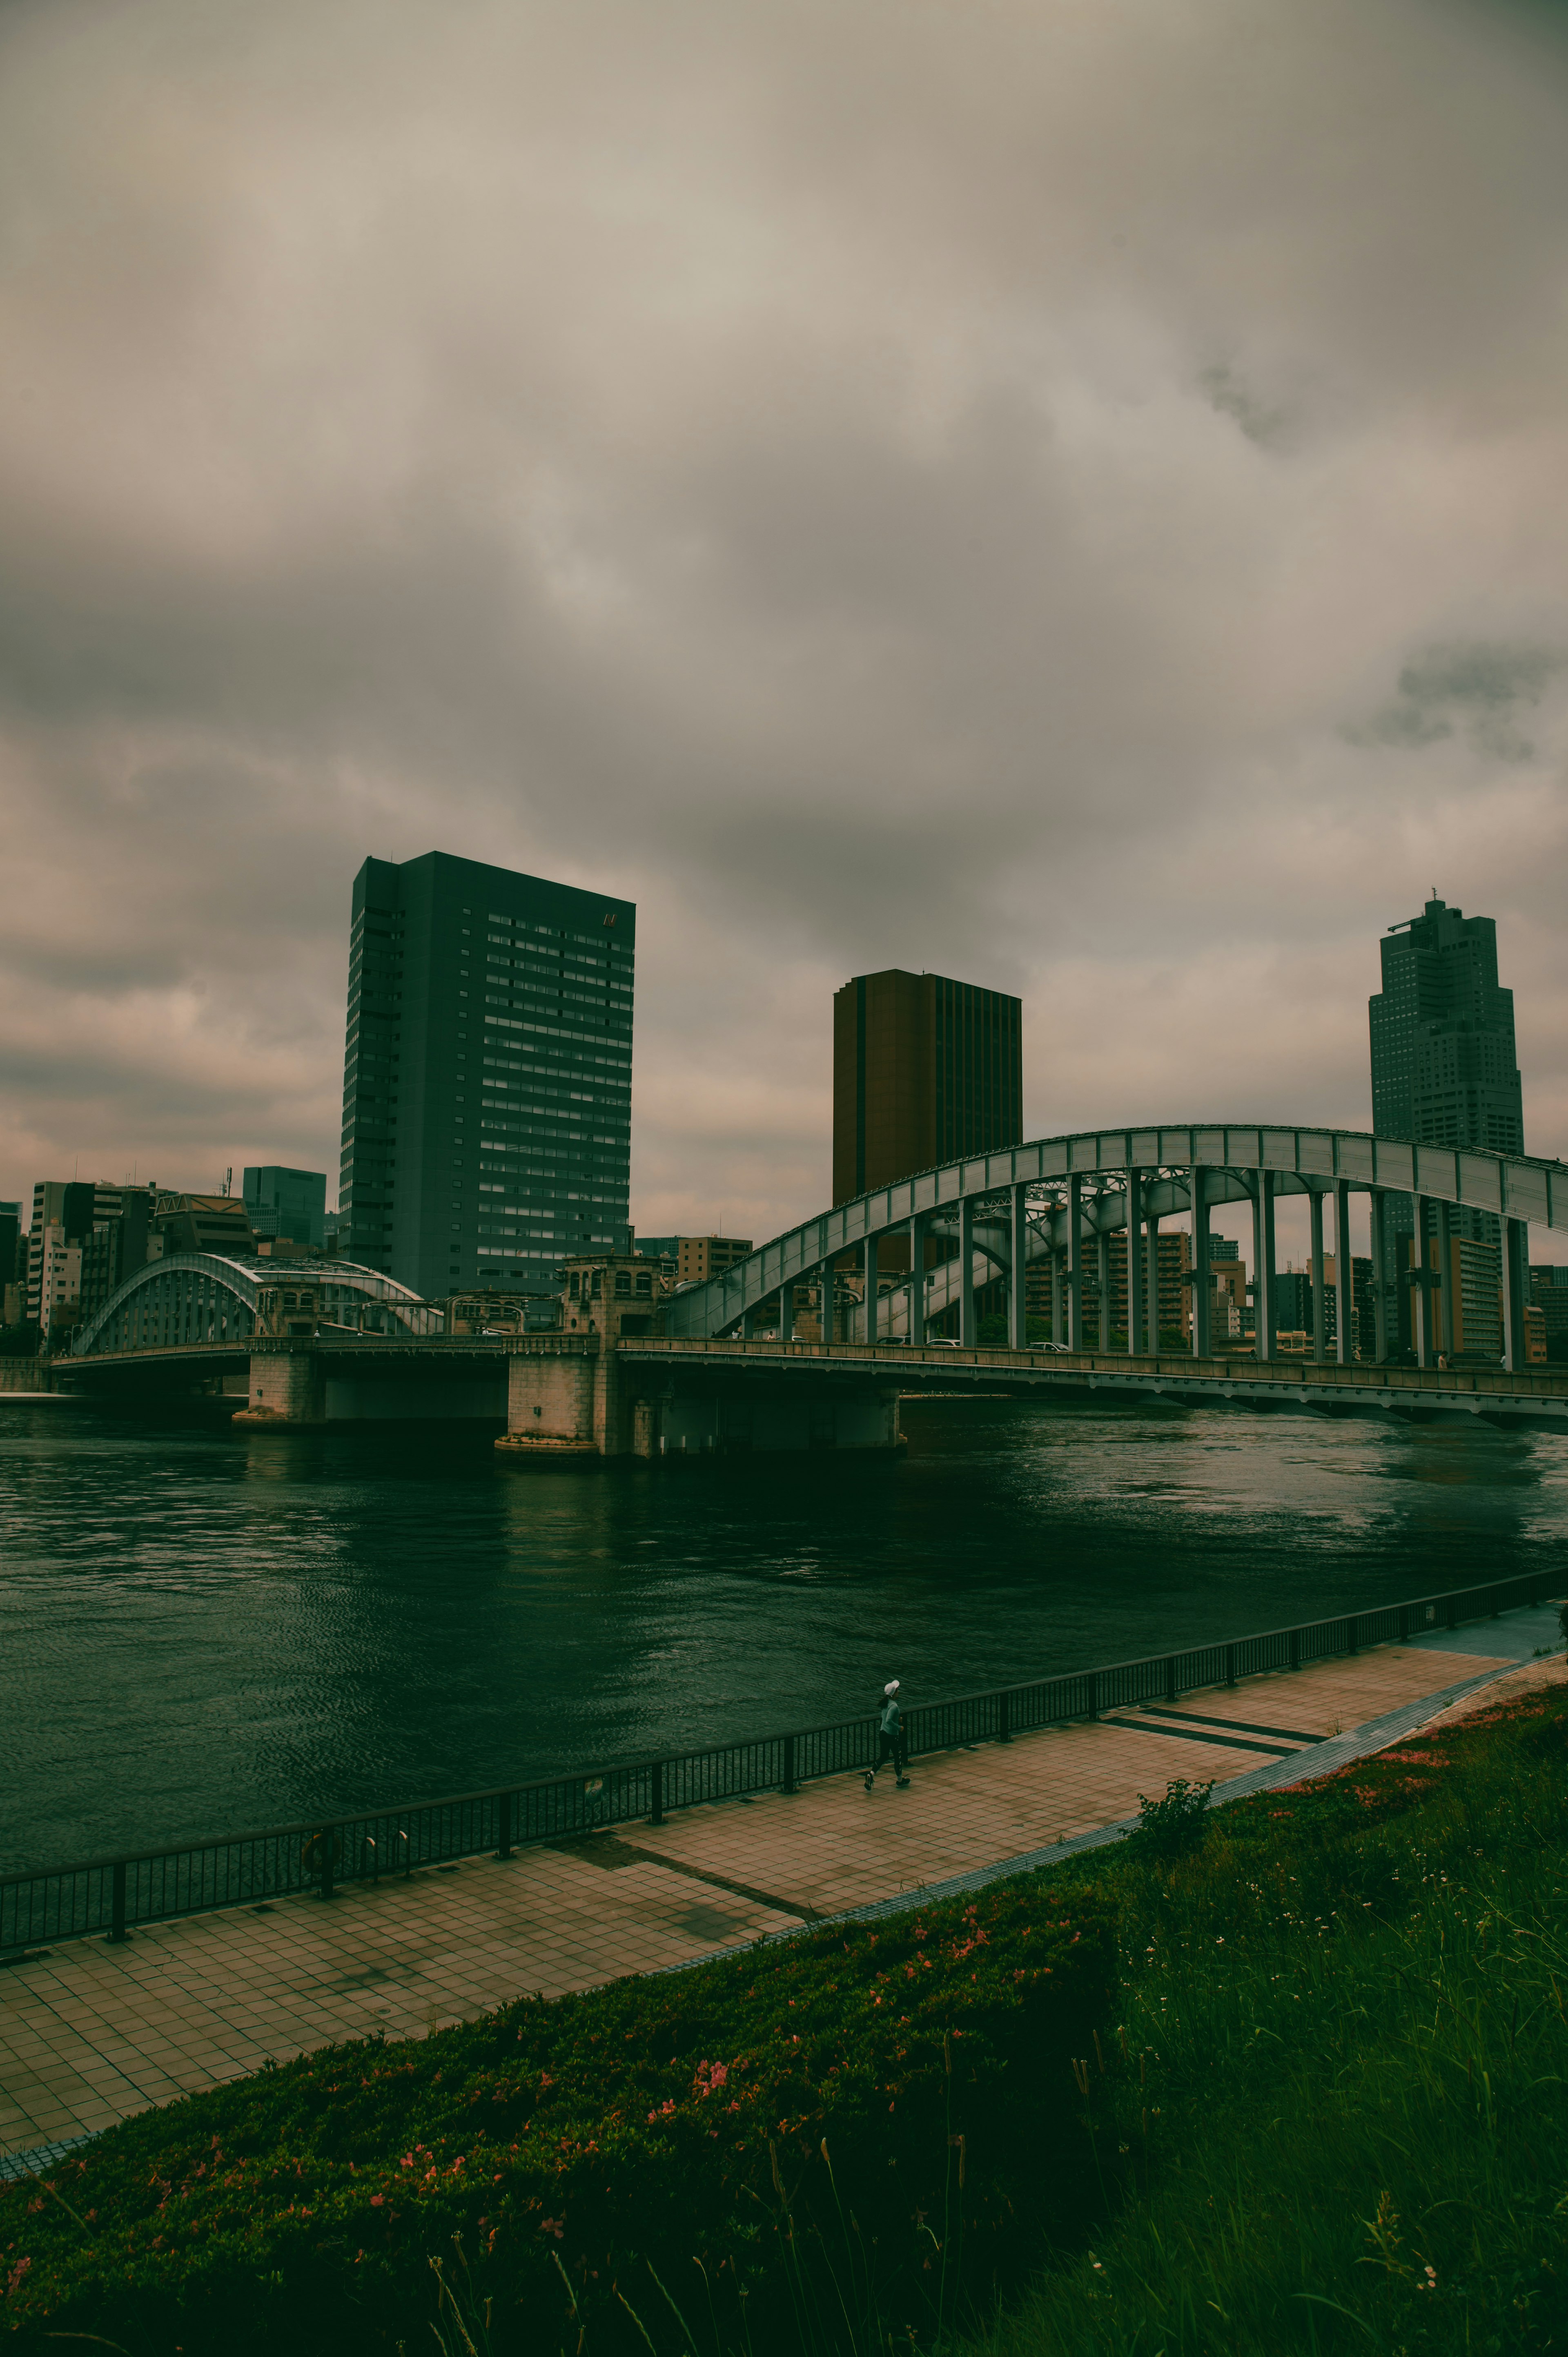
90,2034
1477,1391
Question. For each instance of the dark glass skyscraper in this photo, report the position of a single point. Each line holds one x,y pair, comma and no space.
1443,1068
487,1084
924,1070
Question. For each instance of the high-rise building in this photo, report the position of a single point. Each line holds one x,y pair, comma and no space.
487,1084
1443,1068
924,1070
290,1203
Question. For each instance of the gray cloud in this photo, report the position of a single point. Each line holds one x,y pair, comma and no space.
775,464
1472,685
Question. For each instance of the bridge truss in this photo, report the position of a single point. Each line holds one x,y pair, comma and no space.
196,1297
1058,1201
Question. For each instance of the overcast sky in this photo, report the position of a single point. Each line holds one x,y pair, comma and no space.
1069,493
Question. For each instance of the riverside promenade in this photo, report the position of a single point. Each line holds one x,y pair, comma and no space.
90,2033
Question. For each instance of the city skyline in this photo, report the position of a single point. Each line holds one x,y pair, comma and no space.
1028,519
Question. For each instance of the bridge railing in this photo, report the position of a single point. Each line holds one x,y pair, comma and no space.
112,1896
1289,1369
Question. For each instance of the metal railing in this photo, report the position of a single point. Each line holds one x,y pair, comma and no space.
111,1895
1291,1371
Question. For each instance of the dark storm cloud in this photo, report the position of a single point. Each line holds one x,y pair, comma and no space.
898,484
1475,686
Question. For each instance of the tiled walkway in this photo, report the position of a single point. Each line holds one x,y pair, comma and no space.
90,2033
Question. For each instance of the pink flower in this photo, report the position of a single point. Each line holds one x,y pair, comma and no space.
376,2200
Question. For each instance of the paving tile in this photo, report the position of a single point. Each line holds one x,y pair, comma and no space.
93,2033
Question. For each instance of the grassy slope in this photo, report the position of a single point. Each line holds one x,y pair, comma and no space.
1334,2116
1338,2110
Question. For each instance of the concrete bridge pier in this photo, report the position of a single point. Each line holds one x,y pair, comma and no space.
287,1392
559,1405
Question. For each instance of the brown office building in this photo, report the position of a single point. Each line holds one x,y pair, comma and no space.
698,1258
924,1070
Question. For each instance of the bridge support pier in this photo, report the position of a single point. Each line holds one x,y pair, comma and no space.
556,1408
288,1393
1344,1275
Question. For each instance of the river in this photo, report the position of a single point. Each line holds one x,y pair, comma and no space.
202,1634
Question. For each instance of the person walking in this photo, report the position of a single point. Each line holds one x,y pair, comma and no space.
890,1744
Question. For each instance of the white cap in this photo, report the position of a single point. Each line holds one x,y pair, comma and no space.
891,1687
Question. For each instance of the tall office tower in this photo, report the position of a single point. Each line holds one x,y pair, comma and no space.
487,1084
924,1070
290,1203
1444,1068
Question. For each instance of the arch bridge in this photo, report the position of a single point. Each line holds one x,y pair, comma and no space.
1055,1204
191,1299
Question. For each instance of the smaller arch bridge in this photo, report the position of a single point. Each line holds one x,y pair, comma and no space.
191,1299
1056,1202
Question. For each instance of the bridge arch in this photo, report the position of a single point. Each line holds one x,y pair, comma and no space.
189,1297
1054,1196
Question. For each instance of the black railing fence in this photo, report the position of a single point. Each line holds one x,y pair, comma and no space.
111,1895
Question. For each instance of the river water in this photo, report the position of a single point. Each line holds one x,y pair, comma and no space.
200,1634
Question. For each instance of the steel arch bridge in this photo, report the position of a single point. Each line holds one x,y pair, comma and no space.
1057,1200
196,1298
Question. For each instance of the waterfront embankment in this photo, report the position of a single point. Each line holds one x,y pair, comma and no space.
90,2033
1285,2075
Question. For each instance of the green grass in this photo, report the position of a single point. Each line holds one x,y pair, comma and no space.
1336,2107
1326,2111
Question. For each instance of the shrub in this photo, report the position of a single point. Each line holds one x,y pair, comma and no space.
1174,1826
905,2085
